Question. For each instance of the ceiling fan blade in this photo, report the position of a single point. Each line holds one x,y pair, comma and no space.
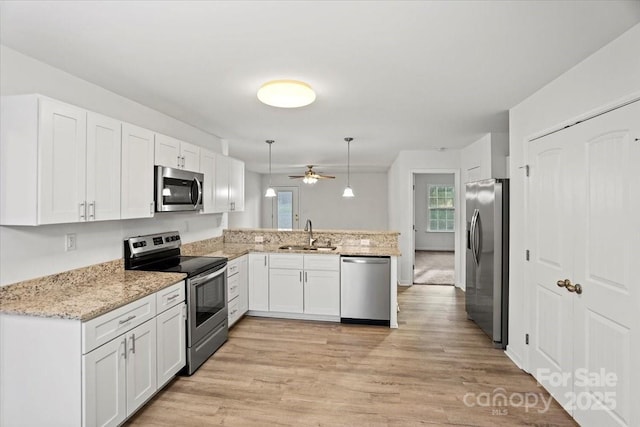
296,176
325,176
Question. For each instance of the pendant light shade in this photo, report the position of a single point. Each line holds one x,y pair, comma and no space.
270,191
348,191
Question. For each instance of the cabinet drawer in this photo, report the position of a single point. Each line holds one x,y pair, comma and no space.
168,297
234,311
290,261
233,267
233,287
322,262
102,329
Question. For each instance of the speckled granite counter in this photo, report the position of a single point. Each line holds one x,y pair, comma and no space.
83,293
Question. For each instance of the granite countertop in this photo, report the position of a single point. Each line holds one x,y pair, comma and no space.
235,250
83,294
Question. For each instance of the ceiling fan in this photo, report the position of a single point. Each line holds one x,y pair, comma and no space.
310,176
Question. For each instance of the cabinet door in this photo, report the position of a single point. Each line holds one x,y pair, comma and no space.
322,292
62,163
259,282
167,151
190,157
243,295
285,290
221,194
105,382
236,185
171,348
137,172
104,136
208,168
141,365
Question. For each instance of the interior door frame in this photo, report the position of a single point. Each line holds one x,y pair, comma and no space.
296,204
457,245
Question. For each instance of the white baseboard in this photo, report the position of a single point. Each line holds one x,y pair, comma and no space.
515,358
435,249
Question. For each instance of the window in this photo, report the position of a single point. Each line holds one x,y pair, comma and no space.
285,210
441,208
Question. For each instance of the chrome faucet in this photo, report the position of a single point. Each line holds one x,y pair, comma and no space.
308,227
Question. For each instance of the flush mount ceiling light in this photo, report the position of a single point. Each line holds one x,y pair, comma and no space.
348,192
270,191
286,94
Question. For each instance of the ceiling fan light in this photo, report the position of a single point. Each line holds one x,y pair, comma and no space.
286,94
270,192
348,192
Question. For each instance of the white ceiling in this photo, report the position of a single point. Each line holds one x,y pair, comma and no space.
394,75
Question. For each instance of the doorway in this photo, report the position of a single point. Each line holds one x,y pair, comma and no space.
284,209
434,228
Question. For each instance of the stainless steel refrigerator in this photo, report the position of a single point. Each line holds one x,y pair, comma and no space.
487,257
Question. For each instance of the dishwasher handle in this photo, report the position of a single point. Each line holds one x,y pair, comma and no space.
365,261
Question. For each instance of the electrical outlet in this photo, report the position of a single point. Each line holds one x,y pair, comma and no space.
364,242
70,242
259,239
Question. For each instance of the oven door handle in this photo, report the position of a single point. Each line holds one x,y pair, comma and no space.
197,280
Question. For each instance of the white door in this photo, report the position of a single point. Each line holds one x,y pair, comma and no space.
190,156
171,328
284,209
593,241
286,291
322,292
141,365
258,282
105,384
221,194
62,164
167,151
104,136
137,172
551,260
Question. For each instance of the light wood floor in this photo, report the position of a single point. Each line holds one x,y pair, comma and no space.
283,372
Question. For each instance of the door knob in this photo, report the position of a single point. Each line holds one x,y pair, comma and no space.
564,283
577,288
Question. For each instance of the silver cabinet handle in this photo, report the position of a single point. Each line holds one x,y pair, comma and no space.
265,260
92,210
133,343
178,161
83,211
171,298
125,347
127,319
301,277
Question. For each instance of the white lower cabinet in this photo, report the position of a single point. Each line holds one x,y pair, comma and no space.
258,282
306,284
120,376
69,373
237,289
172,355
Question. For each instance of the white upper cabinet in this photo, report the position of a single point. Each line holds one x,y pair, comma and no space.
174,153
223,182
236,185
137,172
486,158
221,192
59,163
104,137
208,168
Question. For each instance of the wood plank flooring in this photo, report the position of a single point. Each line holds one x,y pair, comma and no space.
298,373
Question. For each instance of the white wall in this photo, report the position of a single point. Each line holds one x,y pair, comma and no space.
606,77
253,195
427,240
400,179
324,205
28,252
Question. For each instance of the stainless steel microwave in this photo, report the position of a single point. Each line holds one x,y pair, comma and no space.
177,189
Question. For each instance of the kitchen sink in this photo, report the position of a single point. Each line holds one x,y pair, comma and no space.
307,248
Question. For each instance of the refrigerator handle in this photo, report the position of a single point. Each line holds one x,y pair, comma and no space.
475,236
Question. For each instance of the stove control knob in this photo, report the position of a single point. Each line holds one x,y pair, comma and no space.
168,239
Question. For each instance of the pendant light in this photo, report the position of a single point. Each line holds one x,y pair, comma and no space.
348,192
270,191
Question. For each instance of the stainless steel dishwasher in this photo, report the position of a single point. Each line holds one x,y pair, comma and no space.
365,290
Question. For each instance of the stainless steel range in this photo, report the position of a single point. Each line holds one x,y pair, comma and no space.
206,284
